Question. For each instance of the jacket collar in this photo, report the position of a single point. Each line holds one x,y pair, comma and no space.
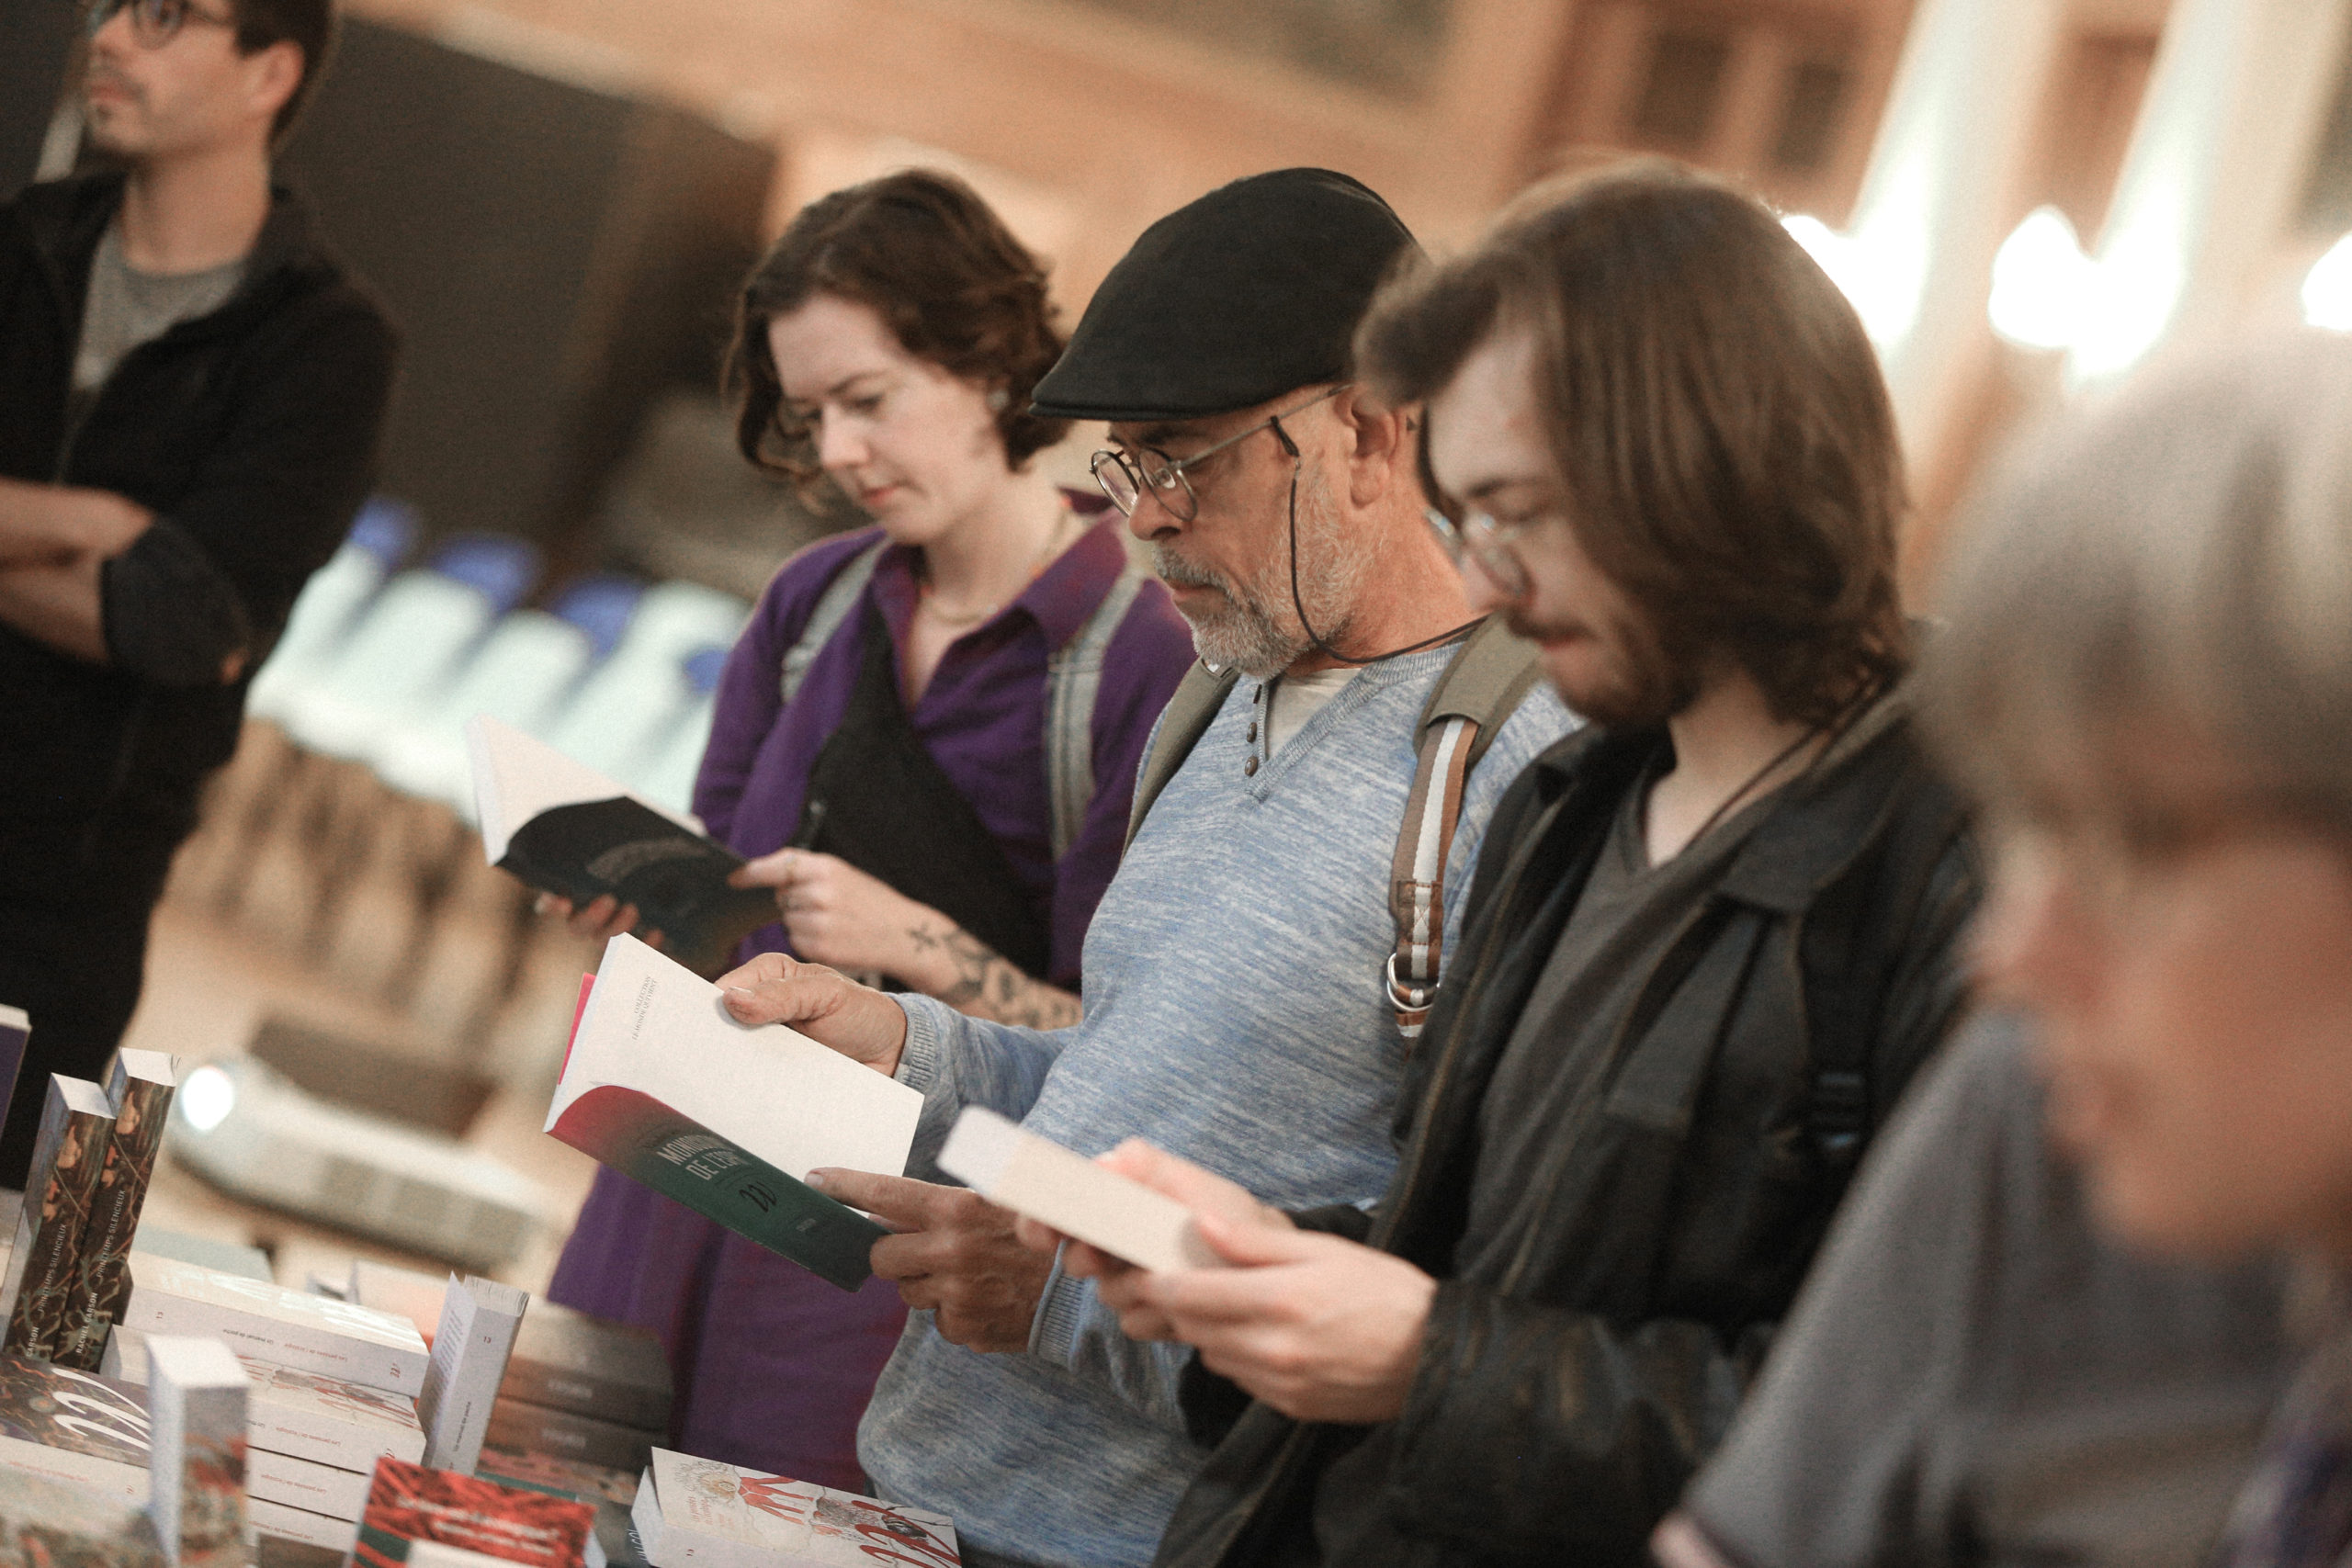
1822,821
65,220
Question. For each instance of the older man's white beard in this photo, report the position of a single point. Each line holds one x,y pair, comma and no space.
1253,627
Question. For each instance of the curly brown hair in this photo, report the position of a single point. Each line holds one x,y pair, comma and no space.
1713,408
923,251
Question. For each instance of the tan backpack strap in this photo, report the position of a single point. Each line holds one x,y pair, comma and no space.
1474,699
1073,682
833,607
1198,698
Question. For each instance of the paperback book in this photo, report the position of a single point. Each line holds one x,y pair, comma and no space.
562,826
478,1320
47,1523
698,1513
1013,1167
59,1189
562,1359
571,1477
409,1504
74,1427
345,1426
196,1399
301,1526
273,1322
16,1029
663,1086
139,1085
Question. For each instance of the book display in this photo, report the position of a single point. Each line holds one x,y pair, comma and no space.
562,826
663,1086
698,1513
139,1085
43,1269
344,1426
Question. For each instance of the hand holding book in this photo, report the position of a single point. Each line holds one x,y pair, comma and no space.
829,1008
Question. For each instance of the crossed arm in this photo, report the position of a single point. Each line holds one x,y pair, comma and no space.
54,539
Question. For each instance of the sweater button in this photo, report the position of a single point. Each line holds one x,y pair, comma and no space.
1253,731
1249,768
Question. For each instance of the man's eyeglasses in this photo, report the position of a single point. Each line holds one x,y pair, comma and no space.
1479,538
154,23
1126,477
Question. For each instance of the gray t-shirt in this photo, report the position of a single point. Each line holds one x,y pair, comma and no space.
125,308
1971,1375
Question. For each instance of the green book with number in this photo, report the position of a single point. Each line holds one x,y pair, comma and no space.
661,1084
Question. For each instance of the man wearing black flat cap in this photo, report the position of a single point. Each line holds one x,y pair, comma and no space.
1276,929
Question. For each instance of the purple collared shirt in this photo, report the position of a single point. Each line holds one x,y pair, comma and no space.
774,1366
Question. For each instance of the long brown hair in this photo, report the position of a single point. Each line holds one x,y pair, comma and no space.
923,251
1713,407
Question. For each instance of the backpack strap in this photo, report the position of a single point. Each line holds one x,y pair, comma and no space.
1073,682
1847,950
1473,700
1186,719
833,606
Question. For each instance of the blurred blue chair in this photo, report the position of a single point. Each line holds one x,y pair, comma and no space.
665,773
329,606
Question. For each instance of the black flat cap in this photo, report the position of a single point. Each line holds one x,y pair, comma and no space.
1229,302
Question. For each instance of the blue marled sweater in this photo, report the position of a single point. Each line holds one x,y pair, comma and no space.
1234,1016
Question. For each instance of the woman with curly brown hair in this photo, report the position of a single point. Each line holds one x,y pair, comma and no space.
925,742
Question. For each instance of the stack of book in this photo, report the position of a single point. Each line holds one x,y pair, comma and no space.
414,1514
312,1443
580,1390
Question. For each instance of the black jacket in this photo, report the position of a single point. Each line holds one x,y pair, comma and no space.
1559,1410
251,433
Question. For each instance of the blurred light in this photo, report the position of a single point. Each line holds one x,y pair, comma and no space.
2042,284
206,1097
2327,289
1883,289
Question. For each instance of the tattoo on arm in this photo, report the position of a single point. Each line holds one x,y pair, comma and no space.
988,985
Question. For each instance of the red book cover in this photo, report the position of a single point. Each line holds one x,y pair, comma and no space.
409,1503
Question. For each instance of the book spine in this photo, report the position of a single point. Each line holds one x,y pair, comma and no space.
102,1284
532,1430
682,1160
16,1030
478,1322
66,1158
196,1399
300,1484
300,1525
566,1388
267,1338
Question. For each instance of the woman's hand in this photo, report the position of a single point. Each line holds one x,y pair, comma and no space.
837,914
600,920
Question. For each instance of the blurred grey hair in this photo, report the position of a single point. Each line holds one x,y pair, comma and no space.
2181,552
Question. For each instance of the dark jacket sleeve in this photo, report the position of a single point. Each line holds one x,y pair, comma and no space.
201,596
1517,1406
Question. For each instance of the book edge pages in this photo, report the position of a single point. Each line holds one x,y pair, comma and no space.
1080,1198
564,780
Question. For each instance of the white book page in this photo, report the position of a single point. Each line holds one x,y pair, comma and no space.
654,1025
517,776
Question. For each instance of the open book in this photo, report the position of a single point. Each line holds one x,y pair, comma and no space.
661,1084
563,826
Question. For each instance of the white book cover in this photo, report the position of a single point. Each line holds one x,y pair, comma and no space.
517,775
273,1322
196,1403
325,1420
657,1028
114,1477
1013,1167
479,1321
300,1525
699,1512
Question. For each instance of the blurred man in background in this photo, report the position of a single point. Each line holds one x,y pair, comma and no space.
190,393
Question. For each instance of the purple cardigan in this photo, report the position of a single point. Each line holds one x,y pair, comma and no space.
773,1366
982,716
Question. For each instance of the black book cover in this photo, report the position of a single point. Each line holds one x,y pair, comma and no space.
676,877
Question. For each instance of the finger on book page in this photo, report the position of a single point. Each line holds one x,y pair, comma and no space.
898,1201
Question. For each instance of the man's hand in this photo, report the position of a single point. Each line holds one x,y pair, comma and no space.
861,1023
837,914
954,1253
1321,1329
